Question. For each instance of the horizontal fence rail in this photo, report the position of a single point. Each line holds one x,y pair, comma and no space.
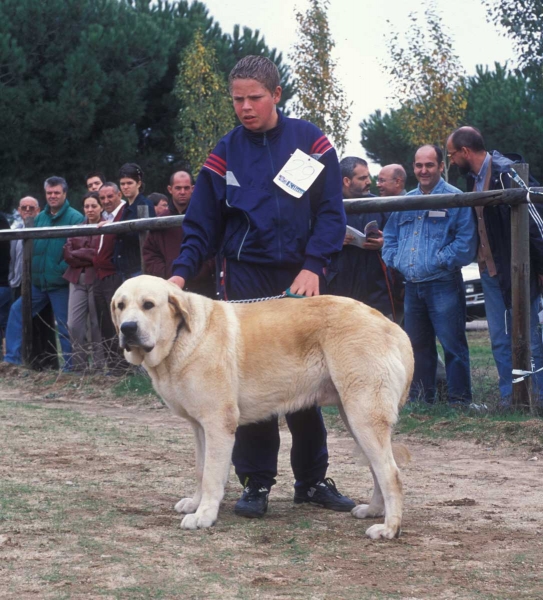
516,197
356,206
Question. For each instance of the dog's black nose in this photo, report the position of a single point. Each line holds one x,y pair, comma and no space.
129,327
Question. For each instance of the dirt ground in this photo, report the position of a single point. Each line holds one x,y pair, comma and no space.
88,482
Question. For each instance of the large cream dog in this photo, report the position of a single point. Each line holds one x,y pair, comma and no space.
221,365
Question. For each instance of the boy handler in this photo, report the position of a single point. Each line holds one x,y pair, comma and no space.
270,236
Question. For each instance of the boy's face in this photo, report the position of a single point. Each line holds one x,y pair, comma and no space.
255,105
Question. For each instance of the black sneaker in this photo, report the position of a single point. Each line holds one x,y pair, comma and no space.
253,503
324,494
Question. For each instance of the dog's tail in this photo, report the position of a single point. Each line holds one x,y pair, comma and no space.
401,453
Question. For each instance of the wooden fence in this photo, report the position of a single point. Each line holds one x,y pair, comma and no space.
520,264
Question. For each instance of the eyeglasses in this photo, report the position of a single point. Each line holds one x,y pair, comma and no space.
451,154
28,208
380,180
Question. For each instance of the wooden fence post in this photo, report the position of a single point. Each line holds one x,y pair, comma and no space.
26,299
520,295
143,213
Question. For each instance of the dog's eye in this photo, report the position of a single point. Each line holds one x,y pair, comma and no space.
148,305
120,306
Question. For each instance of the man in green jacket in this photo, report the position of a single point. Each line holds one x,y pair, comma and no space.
48,267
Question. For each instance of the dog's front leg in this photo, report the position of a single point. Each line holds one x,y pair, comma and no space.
190,505
219,444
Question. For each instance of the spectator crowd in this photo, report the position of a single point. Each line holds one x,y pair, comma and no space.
78,276
408,267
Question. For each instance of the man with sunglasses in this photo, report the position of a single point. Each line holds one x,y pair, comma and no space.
28,207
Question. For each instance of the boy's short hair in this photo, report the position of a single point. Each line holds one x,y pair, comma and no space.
259,68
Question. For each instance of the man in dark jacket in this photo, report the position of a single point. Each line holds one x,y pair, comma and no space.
161,247
48,267
274,230
355,272
490,171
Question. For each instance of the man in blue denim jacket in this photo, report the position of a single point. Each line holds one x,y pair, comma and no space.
429,248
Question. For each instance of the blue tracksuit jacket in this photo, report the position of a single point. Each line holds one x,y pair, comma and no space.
237,210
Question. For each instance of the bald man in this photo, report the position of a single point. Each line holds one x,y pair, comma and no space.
28,207
391,180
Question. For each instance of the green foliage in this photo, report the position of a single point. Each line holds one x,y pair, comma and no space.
206,112
504,104
427,80
386,140
522,22
508,109
73,86
88,84
320,98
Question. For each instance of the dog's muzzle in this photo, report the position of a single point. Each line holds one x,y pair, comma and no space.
130,336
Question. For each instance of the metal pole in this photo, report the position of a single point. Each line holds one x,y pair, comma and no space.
520,295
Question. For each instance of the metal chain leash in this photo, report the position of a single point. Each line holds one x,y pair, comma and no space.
253,300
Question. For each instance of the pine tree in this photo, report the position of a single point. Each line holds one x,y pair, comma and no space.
427,80
206,112
320,98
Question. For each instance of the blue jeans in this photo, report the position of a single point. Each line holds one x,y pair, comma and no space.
438,308
5,303
499,327
59,301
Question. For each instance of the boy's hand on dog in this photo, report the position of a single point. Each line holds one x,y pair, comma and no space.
305,284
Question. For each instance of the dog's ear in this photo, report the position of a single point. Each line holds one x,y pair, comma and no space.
178,300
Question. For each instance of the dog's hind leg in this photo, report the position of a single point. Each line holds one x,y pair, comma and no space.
190,505
375,440
376,507
219,444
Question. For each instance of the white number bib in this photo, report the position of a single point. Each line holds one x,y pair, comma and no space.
298,174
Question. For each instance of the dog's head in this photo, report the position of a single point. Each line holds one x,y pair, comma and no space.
148,314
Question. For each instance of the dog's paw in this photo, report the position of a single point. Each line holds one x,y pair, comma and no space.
376,532
366,511
196,521
186,506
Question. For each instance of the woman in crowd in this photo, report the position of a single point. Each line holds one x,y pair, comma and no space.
82,317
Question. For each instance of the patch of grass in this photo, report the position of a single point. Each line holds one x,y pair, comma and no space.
304,524
15,500
137,593
295,551
441,420
138,384
332,419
